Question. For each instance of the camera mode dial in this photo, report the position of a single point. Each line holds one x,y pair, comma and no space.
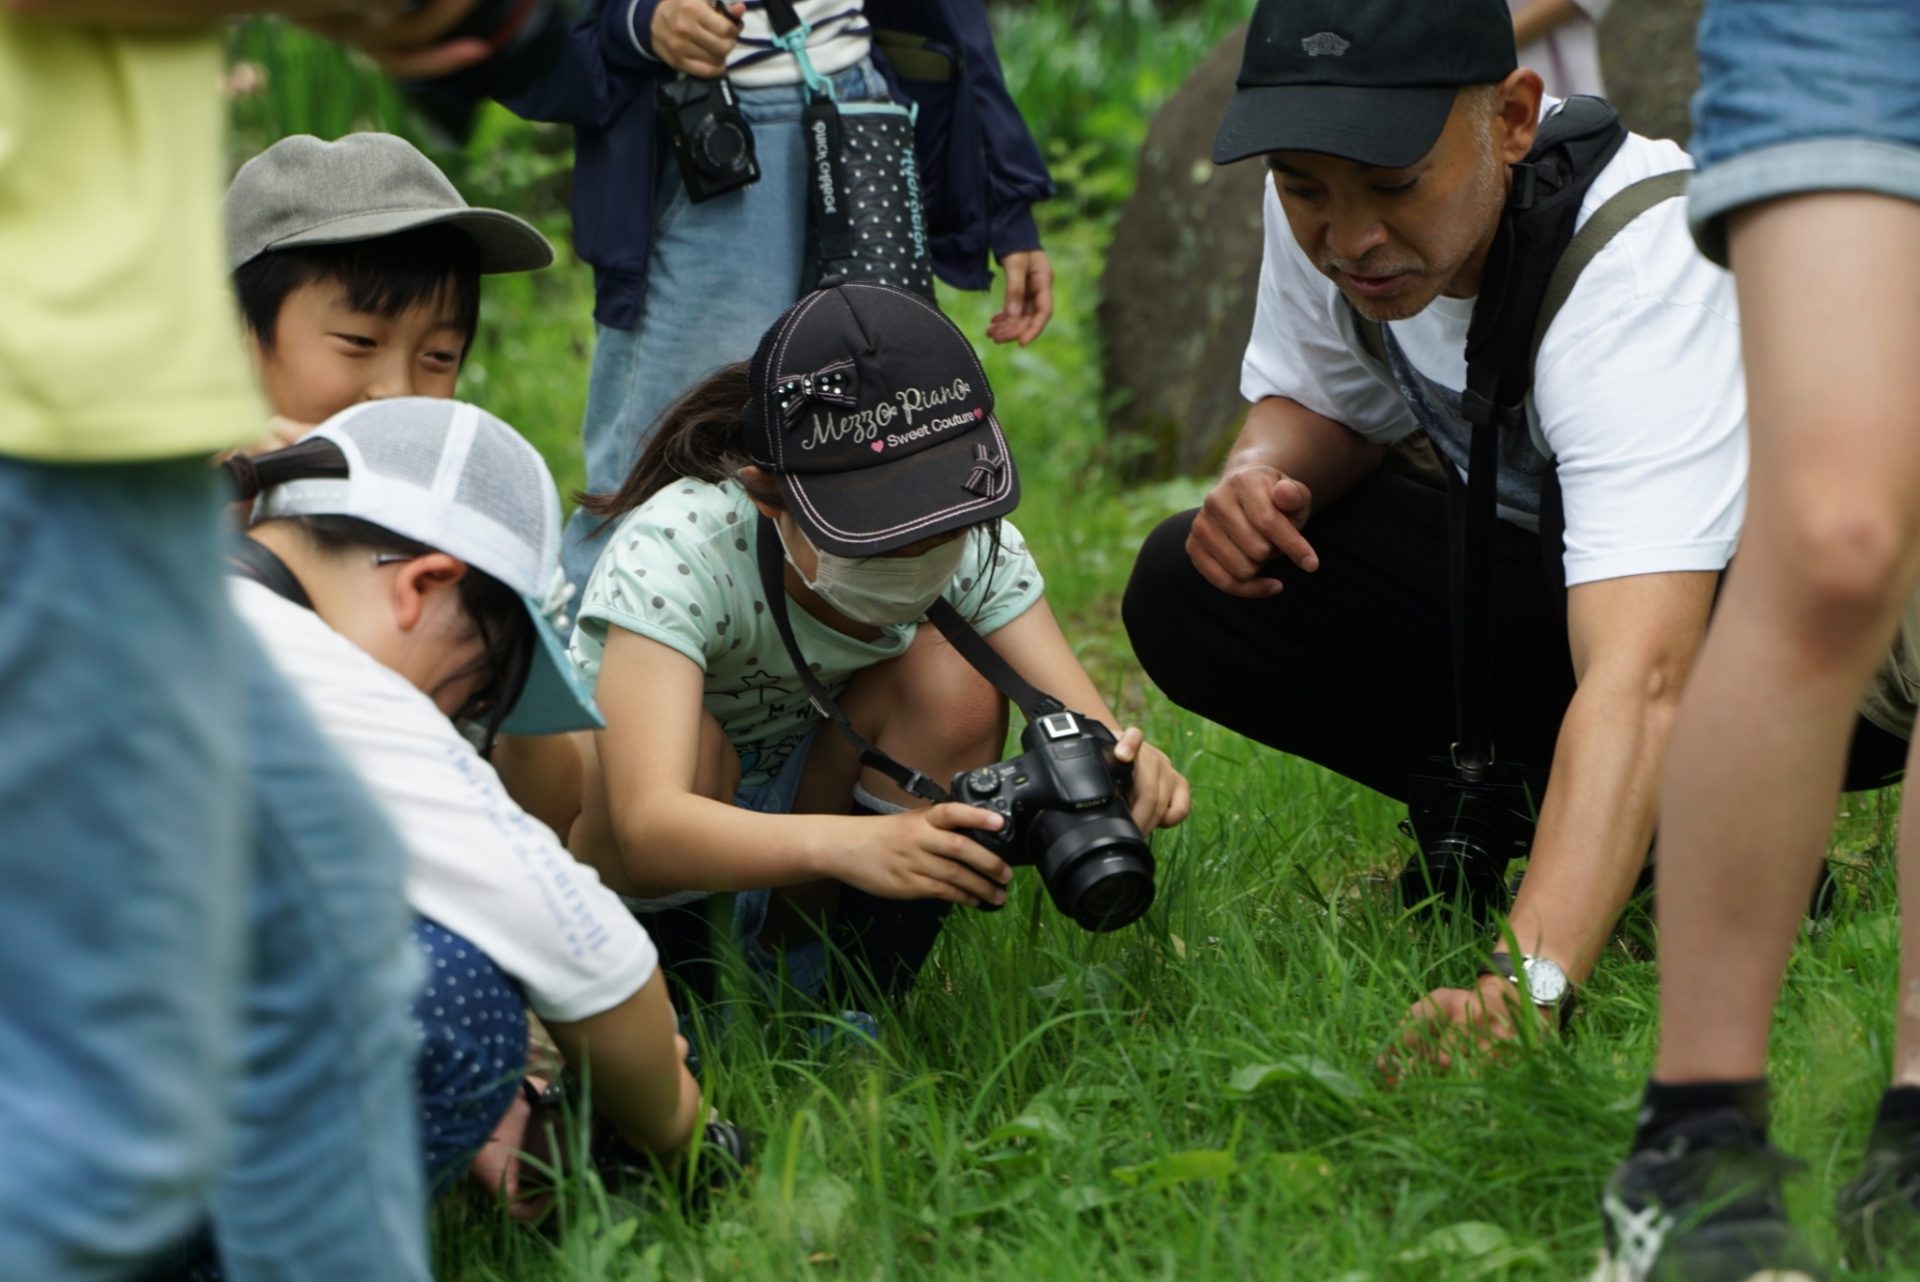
983,782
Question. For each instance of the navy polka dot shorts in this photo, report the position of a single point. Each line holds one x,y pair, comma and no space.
472,1022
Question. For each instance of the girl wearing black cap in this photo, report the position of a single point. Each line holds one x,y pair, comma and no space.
863,431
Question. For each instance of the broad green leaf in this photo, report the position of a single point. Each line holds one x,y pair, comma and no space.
1255,1078
1179,1168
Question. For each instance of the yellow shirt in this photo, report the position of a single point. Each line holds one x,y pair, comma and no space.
119,338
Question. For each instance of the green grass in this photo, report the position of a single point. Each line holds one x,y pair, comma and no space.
1196,1096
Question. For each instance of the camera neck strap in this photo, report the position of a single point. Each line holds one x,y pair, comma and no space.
1529,273
252,559
790,33
972,647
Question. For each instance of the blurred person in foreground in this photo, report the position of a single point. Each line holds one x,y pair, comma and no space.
1807,127
191,1022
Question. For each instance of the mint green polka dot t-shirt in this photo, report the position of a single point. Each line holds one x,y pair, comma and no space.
681,570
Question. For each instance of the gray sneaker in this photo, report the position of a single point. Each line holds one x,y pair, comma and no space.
1879,1211
1705,1205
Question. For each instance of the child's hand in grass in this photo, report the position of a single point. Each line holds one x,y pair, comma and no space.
920,854
1161,797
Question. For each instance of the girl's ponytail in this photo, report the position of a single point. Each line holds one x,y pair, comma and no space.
699,438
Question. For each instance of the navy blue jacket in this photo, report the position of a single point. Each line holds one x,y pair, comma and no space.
981,169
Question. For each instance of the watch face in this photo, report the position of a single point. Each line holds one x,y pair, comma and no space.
1546,982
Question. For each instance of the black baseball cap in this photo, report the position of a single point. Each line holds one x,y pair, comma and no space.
1366,80
871,409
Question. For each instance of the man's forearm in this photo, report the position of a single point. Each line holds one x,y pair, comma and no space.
1596,821
1329,458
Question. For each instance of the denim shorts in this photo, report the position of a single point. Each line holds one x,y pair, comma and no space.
805,965
1798,97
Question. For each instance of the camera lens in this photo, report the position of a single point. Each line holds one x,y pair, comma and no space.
1095,864
720,146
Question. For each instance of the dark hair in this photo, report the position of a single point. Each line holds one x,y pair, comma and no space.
382,277
698,438
495,609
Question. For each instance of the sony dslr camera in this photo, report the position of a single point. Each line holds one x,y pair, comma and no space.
711,140
1064,801
1469,825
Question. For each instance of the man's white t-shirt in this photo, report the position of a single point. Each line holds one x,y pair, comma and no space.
478,864
1638,391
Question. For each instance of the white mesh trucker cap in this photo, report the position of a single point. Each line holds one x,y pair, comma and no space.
454,477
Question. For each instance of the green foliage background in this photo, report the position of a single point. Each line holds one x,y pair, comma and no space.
1196,1097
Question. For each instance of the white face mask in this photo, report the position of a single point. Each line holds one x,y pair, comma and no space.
883,591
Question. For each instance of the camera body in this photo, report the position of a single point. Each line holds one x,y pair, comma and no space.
711,140
1064,802
1469,825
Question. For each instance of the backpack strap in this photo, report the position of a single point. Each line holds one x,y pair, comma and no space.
1598,232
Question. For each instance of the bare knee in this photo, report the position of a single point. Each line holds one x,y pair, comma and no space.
931,710
1847,569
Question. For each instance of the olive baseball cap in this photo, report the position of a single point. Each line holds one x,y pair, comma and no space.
870,409
306,191
1366,80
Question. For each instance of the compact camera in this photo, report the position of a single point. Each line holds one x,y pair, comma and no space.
1468,825
1064,802
711,140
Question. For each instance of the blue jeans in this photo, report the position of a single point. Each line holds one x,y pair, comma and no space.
719,274
202,917
1798,96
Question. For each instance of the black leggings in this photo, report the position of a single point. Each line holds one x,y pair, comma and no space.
1351,666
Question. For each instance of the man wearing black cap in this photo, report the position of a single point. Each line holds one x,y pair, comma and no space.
1392,130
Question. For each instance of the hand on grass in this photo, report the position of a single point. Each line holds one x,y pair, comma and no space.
1253,515
1029,298
497,1167
1161,797
921,854
1454,1024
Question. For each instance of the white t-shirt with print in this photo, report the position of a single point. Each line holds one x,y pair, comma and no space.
1638,389
682,570
477,863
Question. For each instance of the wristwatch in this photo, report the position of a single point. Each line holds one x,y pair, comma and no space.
1547,985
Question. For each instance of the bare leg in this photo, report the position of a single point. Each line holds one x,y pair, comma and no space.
927,709
1830,305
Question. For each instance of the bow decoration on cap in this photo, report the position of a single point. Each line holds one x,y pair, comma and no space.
985,477
833,385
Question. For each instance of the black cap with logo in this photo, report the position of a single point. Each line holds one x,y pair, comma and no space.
871,409
1366,80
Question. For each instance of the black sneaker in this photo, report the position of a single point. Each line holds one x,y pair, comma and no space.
1879,1212
1704,1205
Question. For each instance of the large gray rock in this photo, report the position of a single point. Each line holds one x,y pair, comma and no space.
1176,298
1647,59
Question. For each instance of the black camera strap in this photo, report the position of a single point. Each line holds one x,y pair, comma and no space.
252,559
972,647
